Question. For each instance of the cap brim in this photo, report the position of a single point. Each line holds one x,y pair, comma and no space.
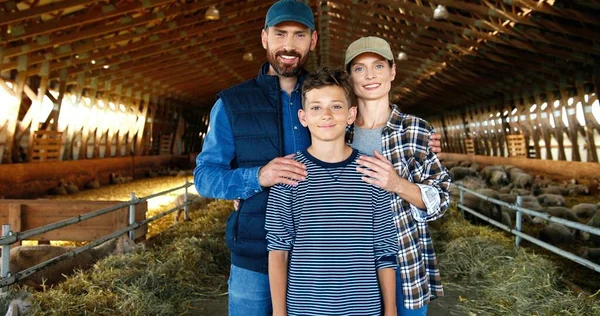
362,51
291,18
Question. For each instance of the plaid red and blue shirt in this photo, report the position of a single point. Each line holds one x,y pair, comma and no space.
405,142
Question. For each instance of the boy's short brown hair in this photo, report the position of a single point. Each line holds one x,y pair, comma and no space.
326,76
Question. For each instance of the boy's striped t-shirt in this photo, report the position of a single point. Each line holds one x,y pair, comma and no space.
339,231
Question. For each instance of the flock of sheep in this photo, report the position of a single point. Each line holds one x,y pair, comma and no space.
505,183
23,257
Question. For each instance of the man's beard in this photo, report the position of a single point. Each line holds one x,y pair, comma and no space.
286,70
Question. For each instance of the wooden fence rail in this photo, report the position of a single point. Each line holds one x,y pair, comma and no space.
24,215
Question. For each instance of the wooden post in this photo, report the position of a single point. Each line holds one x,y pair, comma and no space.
15,216
141,124
11,148
85,133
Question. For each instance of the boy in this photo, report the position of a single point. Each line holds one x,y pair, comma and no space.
331,240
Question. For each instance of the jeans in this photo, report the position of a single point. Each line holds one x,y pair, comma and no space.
249,293
402,310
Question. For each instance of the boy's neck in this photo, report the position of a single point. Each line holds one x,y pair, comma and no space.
373,114
331,152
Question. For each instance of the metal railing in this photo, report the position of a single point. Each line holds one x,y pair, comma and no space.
9,237
517,230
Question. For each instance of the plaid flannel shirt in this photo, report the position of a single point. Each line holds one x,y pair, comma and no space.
405,142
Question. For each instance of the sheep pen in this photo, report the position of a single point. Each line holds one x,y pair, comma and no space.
188,262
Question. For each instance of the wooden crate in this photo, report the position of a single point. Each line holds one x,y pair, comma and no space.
46,146
470,146
165,144
23,215
516,145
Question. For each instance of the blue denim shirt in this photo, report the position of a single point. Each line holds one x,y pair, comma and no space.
218,179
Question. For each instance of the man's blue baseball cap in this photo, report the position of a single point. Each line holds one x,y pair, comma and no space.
290,10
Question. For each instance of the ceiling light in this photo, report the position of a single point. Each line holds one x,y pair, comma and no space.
402,56
440,12
106,66
248,56
212,13
93,62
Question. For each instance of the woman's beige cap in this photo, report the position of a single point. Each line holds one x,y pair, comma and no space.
369,44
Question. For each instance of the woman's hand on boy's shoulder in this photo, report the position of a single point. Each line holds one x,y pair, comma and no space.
435,142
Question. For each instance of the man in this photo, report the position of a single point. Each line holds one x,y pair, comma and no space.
254,132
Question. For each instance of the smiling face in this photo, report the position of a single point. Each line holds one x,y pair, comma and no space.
372,76
326,112
288,45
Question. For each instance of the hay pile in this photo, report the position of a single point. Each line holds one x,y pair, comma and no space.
185,262
498,279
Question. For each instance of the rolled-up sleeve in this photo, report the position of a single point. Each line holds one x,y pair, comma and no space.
213,175
431,199
384,231
279,222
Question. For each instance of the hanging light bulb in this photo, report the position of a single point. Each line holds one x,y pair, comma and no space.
402,56
440,12
248,56
212,14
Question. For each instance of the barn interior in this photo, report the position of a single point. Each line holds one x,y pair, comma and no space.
98,90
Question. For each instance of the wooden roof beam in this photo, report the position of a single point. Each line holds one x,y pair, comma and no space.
13,17
86,47
95,14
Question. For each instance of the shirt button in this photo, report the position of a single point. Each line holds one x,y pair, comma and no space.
256,191
295,127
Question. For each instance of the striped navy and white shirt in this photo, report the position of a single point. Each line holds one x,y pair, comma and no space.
339,231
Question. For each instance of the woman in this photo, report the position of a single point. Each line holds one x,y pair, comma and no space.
403,165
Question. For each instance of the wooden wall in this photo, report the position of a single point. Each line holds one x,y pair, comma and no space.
556,125
25,180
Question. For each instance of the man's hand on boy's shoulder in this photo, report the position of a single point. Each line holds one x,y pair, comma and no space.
284,170
435,142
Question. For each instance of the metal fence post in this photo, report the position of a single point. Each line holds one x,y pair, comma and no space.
132,215
518,220
5,254
462,201
186,208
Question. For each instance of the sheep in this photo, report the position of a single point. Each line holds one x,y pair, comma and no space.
506,189
508,198
585,210
23,257
513,172
517,191
562,212
465,163
72,188
555,233
524,216
115,178
20,304
498,178
458,173
522,180
194,199
450,164
593,254
94,184
475,166
487,171
552,190
595,222
551,200
61,189
577,189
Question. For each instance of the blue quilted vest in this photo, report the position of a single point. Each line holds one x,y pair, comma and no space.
254,111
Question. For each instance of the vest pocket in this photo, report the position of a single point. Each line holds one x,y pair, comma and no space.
231,230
